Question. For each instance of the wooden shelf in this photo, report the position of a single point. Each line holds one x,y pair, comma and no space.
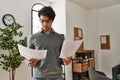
80,65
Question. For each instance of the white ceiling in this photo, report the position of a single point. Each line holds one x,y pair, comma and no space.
94,4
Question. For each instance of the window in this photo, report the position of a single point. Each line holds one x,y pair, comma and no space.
36,26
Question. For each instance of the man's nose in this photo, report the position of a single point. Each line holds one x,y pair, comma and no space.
44,23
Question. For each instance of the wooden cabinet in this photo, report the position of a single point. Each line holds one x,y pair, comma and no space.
81,63
80,67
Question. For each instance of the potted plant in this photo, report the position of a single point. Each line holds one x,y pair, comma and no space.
13,59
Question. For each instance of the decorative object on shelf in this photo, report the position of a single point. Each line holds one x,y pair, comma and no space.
105,41
8,19
12,60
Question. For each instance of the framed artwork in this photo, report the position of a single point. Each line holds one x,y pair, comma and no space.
78,33
105,41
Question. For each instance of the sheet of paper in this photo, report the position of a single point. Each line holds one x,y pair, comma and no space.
69,48
32,53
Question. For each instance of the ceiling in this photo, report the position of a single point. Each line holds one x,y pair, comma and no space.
94,4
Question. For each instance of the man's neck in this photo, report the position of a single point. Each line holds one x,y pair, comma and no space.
48,32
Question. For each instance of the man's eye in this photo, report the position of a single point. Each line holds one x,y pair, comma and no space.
47,21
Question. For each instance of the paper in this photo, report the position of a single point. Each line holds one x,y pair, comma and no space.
32,53
69,48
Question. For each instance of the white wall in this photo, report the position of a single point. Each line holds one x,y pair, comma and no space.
60,21
76,16
91,34
21,10
109,24
93,22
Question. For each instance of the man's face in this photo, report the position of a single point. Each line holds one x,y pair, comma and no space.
46,23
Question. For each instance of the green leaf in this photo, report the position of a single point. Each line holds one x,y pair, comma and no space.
12,60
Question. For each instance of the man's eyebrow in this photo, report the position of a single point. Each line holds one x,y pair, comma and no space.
44,20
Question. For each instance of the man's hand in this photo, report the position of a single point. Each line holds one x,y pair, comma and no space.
32,62
67,60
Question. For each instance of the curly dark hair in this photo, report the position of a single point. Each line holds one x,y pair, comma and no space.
47,11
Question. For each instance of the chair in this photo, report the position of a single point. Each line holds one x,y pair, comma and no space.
97,75
116,72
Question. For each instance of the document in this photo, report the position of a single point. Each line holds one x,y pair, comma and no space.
32,53
69,48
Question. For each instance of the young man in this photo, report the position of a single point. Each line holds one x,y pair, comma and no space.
49,68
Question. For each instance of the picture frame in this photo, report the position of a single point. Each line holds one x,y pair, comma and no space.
105,41
78,33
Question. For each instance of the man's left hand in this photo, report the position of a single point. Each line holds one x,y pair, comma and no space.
67,60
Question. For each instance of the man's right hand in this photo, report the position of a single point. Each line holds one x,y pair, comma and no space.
32,62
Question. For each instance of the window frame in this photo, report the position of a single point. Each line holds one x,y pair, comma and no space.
32,16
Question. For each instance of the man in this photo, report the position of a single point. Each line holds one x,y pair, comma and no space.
49,68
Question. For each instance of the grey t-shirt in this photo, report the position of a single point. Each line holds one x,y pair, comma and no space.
50,67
